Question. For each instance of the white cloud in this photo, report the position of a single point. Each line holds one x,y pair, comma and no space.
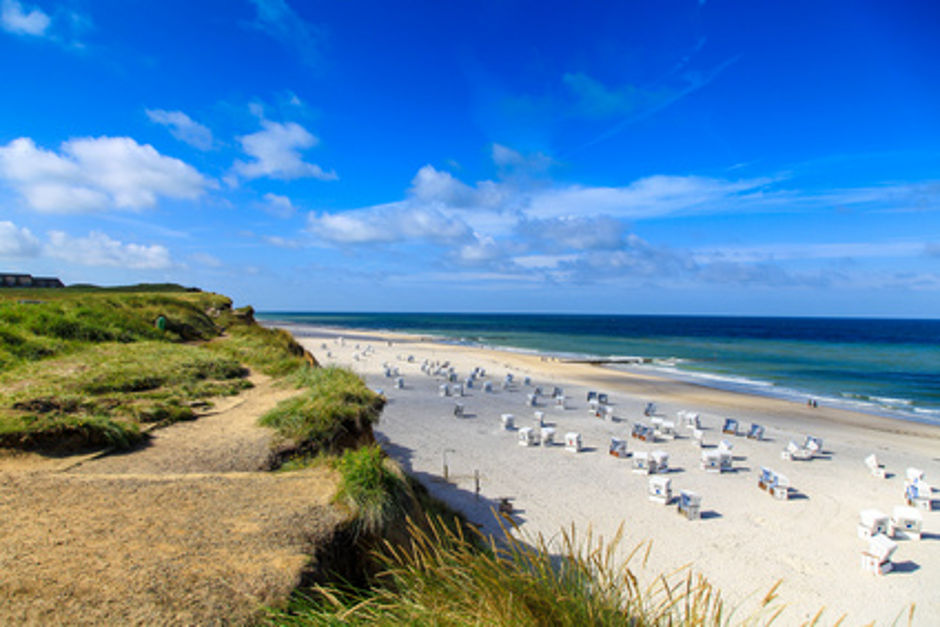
280,206
395,222
785,251
19,20
280,21
17,242
100,250
90,174
507,158
282,242
183,128
435,186
276,152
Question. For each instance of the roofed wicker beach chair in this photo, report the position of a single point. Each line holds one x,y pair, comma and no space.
813,444
877,559
602,399
573,442
400,383
557,391
906,522
591,396
641,463
458,410
780,489
698,438
618,448
730,427
871,522
766,478
561,402
547,436
874,467
795,452
507,421
526,437
667,430
443,389
919,494
488,386
756,432
711,461
532,400
539,418
659,490
650,409
659,461
690,505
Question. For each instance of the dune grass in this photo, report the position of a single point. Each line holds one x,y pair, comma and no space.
374,487
443,577
335,405
88,367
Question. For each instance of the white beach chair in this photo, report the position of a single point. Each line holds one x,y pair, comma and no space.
561,402
538,390
457,389
488,386
591,396
602,399
698,438
508,421
877,559
871,522
688,419
725,446
795,452
557,391
641,463
527,381
650,410
780,489
876,469
711,461
642,432
756,432
444,390
730,427
813,444
914,474
690,505
526,437
400,383
657,425
906,522
573,442
531,400
660,490
659,461
618,448
458,410
725,461
667,430
539,417
547,435
452,377
468,383
766,478
919,494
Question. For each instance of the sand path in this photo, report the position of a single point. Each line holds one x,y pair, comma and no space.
182,531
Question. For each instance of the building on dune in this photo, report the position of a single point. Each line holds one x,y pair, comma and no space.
12,279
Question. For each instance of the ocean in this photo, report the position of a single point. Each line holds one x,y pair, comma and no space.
886,367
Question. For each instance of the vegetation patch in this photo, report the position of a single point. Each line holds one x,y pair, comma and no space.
334,410
444,577
374,487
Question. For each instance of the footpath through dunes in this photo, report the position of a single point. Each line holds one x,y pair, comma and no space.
184,530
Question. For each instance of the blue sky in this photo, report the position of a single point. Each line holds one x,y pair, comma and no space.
643,157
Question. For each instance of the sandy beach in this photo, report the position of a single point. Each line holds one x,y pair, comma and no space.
745,540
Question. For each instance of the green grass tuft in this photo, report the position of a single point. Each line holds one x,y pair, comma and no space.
371,485
334,406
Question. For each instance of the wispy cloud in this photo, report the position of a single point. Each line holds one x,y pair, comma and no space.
183,128
276,153
63,27
280,21
96,173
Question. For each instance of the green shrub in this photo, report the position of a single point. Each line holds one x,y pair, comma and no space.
334,404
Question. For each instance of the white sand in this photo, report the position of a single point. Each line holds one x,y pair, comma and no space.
745,542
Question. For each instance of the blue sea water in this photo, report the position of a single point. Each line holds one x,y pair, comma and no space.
888,367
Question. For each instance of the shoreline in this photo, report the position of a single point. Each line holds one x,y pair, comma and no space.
609,374
744,543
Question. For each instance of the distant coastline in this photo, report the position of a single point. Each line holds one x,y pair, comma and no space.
887,368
